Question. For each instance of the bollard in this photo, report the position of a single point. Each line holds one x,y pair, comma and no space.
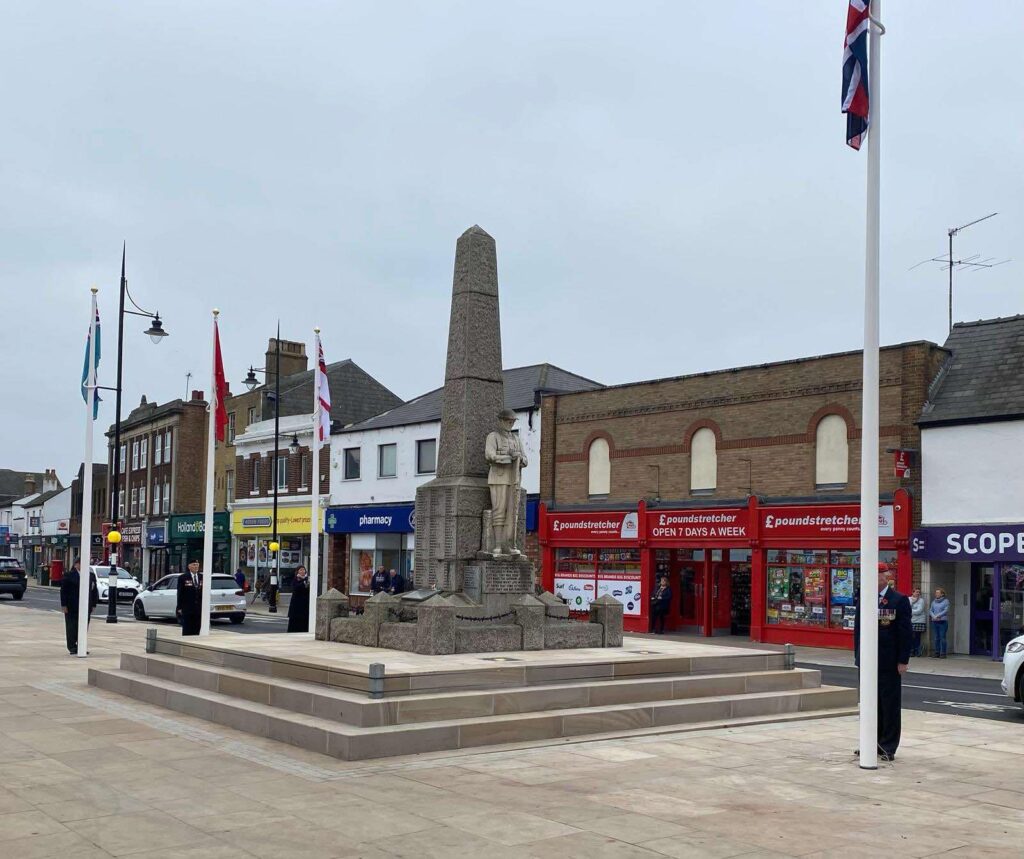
790,657
150,641
376,679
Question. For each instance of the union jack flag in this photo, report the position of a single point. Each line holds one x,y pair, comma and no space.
855,72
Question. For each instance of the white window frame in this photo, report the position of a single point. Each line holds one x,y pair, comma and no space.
231,427
167,496
120,504
254,485
380,460
167,447
419,443
135,455
123,457
158,449
142,500
282,466
305,469
156,499
229,481
135,502
143,451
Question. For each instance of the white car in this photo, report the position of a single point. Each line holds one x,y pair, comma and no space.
1013,669
160,599
128,586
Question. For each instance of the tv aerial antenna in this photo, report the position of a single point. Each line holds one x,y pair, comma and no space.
951,264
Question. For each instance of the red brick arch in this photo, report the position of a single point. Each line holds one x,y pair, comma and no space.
832,409
594,436
703,423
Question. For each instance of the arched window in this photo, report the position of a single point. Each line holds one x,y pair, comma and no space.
703,461
831,452
600,474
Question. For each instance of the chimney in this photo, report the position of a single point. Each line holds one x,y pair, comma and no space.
30,484
50,480
142,402
197,397
293,359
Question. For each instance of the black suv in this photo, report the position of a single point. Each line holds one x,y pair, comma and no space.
12,577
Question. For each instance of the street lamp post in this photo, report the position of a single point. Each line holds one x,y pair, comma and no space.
156,334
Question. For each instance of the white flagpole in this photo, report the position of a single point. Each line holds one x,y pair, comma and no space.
85,552
314,528
211,439
869,420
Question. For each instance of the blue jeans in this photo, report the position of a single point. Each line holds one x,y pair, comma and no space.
939,637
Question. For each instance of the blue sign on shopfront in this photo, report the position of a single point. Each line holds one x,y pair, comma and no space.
980,543
397,519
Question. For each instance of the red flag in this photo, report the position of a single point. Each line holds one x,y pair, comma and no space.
220,386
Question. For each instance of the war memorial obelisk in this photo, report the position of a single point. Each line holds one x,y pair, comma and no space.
452,545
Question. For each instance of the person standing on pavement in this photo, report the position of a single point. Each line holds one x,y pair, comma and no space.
240,578
69,602
379,582
396,582
939,614
660,602
918,620
298,608
190,599
895,639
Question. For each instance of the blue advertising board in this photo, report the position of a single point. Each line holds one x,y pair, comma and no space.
394,519
980,543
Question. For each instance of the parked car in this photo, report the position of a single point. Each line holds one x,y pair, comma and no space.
1013,669
128,586
13,580
160,599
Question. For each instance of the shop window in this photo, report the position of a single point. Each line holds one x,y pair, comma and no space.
599,473
703,461
831,453
387,460
584,574
426,456
815,587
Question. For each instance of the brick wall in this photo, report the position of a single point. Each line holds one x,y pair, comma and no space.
765,414
189,460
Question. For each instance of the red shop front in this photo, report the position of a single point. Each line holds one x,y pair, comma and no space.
773,572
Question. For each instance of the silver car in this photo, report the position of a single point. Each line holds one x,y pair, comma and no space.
160,599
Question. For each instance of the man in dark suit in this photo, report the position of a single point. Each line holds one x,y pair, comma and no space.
396,582
190,599
69,602
895,639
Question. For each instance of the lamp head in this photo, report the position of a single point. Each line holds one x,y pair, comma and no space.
250,380
294,446
274,545
156,330
113,537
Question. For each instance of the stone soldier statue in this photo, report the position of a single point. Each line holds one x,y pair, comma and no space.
504,453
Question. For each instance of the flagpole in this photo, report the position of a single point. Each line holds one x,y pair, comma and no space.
869,417
85,552
314,519
211,439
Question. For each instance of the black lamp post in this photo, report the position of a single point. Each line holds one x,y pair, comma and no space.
156,334
250,382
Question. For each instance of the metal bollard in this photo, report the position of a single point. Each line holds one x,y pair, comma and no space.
790,657
150,641
376,679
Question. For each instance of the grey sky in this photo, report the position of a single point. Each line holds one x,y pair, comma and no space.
667,183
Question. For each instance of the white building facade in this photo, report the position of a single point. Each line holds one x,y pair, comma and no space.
971,543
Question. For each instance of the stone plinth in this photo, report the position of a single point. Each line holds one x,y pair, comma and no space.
607,612
329,606
502,581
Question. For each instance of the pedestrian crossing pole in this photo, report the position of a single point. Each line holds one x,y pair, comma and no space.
869,417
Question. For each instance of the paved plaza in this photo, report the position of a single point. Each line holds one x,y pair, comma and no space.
84,773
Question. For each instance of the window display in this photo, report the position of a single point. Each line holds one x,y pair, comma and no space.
814,587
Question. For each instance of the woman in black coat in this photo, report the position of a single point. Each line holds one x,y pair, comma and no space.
298,608
661,600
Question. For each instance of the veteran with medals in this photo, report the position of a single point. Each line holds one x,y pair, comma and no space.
895,640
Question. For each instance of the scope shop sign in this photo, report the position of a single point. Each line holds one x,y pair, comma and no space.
994,543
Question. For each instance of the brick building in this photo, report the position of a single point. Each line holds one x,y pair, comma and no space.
160,495
100,514
740,485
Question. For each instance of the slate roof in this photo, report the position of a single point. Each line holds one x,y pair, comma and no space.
43,497
12,484
983,380
523,387
355,394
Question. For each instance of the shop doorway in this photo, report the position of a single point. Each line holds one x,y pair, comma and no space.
710,588
982,590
